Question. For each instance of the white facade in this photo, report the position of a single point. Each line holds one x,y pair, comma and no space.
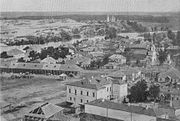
79,95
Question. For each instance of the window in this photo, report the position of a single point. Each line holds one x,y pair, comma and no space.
81,92
69,90
107,89
70,98
87,101
81,100
74,99
87,93
110,88
93,94
177,98
75,92
35,65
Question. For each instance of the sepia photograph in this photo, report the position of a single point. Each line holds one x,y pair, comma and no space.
89,60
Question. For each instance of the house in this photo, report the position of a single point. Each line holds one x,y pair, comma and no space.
87,90
118,58
122,112
40,68
171,75
111,65
46,112
126,73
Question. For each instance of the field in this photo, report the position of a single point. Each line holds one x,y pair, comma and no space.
27,93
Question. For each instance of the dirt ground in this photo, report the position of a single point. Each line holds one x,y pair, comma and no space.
30,92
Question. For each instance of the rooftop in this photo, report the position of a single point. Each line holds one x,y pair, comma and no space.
45,110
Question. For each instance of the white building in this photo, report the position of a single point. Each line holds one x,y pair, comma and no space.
85,91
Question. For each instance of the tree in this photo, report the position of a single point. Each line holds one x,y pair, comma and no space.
178,38
154,91
110,33
171,35
162,56
139,92
5,55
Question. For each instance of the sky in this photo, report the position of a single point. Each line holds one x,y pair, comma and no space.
91,5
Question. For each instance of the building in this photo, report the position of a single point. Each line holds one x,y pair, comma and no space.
118,58
49,60
122,112
40,68
171,75
126,73
46,112
84,91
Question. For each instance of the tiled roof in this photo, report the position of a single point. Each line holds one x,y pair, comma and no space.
47,110
94,83
83,84
122,107
173,73
124,71
117,56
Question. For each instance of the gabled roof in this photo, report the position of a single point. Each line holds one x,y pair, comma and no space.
122,107
45,110
48,60
124,71
94,83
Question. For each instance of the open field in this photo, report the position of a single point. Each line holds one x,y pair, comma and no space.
29,92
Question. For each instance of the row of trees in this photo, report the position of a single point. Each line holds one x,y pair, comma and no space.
42,40
137,27
5,55
59,52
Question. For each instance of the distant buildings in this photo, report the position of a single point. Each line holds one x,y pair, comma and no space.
113,19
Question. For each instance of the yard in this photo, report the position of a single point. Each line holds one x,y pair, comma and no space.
26,93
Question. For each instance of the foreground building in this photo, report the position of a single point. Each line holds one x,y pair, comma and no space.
46,112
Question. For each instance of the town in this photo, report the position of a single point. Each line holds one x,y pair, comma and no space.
106,67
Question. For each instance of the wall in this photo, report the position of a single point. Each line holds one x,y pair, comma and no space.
117,114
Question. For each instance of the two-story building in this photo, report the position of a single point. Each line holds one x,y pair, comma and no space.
87,90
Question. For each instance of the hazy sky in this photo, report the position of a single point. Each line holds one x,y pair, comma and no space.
91,5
